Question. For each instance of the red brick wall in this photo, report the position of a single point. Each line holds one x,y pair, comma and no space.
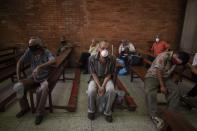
81,20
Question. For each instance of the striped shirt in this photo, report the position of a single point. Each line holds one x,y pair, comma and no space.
100,69
163,63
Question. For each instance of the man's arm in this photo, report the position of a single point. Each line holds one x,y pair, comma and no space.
24,58
96,80
107,78
50,62
18,67
160,78
37,69
152,48
167,46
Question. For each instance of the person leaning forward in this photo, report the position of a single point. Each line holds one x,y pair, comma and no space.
101,92
40,59
159,77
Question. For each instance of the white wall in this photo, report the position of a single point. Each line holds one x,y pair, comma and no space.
189,34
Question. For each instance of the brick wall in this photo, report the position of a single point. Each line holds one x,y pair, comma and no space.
81,20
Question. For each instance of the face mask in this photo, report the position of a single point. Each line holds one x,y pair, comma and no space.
157,39
104,53
33,48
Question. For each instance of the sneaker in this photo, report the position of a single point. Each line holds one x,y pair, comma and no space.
91,116
38,119
109,118
158,122
22,113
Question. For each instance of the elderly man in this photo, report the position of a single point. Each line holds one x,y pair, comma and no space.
158,77
101,67
40,59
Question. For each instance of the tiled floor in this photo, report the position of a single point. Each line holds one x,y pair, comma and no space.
61,120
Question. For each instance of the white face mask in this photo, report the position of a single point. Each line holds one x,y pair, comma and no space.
157,39
104,53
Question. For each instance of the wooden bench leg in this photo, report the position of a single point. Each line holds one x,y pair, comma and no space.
50,103
32,101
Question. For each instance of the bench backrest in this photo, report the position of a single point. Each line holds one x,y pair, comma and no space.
7,57
58,67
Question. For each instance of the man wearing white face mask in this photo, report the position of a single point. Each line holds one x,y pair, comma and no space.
159,46
101,67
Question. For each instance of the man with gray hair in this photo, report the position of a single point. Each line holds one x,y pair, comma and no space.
101,87
40,59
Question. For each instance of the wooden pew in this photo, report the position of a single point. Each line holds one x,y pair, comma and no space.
145,52
8,60
129,100
141,70
176,121
72,103
131,105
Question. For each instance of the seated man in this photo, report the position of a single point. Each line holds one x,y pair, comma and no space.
101,66
63,44
126,45
40,59
127,53
158,77
159,46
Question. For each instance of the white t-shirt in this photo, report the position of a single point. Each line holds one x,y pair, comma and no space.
129,45
195,60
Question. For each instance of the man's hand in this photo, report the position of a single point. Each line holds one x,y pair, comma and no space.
101,91
35,71
163,90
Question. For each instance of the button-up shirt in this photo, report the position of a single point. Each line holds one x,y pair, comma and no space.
36,60
100,69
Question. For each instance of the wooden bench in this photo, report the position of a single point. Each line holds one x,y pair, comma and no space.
175,121
72,103
131,104
140,71
8,60
58,70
